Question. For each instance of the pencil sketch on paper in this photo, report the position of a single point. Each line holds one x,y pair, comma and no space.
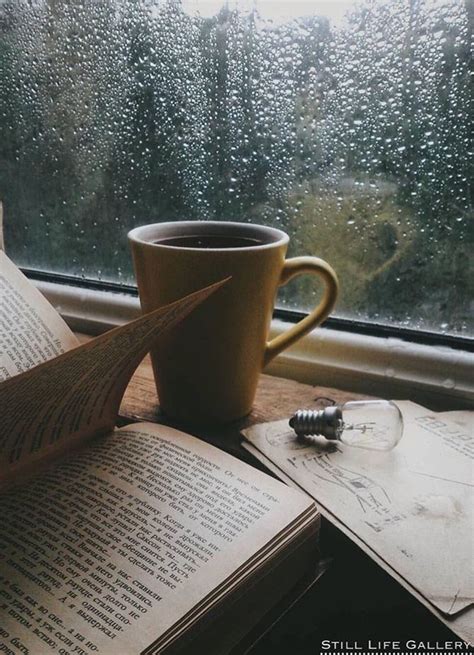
411,506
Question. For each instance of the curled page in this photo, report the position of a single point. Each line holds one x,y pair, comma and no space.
31,330
78,394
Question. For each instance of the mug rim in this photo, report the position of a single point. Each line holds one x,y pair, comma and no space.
144,233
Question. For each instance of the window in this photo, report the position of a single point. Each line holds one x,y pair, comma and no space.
347,124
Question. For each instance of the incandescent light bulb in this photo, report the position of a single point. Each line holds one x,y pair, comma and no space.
371,424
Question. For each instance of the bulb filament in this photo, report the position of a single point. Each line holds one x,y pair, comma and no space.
362,427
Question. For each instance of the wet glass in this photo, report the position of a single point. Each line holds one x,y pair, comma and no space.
346,124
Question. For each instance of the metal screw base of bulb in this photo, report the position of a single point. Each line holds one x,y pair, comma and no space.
369,424
326,422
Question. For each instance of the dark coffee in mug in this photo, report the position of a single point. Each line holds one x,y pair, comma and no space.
208,241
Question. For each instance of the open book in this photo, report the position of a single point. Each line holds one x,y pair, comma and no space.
131,540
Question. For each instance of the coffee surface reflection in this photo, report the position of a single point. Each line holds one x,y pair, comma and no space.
209,241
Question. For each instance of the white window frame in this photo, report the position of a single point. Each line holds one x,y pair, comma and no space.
439,377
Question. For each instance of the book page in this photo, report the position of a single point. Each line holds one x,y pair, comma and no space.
105,552
411,506
77,394
31,331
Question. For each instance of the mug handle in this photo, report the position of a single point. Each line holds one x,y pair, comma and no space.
292,268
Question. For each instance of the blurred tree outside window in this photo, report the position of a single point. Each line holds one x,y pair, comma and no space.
347,124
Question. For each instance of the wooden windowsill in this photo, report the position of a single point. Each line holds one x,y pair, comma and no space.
277,398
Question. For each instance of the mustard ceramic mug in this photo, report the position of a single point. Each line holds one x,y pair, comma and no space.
207,368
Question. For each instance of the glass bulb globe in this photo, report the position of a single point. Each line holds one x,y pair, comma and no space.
370,424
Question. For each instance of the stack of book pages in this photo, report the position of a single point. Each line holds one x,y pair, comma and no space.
141,539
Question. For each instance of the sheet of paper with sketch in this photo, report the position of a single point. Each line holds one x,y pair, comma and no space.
411,506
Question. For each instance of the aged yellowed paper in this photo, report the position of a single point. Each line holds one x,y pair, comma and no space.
108,550
31,330
412,507
77,394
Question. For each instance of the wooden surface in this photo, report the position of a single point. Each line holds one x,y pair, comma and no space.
276,399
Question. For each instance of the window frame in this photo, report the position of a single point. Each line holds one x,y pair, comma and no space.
287,315
433,370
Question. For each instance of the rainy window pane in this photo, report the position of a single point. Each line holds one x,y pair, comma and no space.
346,124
